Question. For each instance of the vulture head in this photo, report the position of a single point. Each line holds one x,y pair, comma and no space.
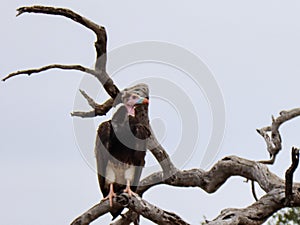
133,96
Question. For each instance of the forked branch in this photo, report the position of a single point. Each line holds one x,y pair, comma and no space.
100,45
271,133
211,180
100,32
134,203
98,109
103,77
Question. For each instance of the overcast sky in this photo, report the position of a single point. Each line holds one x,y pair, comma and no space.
251,49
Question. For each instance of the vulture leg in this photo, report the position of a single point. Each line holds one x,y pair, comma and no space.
127,189
110,195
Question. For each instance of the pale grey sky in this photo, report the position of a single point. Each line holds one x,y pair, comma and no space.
251,47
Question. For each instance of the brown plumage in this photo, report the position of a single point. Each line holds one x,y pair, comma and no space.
121,148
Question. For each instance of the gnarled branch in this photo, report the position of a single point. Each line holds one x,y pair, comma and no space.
271,133
62,12
254,214
100,32
211,180
103,77
98,109
134,203
100,45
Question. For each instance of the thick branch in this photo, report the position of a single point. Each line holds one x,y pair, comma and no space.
211,180
254,214
149,211
127,218
92,214
161,156
289,177
136,204
271,133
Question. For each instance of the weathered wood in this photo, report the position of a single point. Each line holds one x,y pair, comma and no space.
289,198
49,67
98,109
136,204
271,133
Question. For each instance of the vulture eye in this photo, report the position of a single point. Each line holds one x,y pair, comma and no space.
134,97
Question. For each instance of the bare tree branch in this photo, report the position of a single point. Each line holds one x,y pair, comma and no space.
161,156
150,211
62,12
253,190
271,133
91,101
254,214
98,110
127,218
136,204
289,177
211,180
53,66
103,77
100,32
100,45
92,214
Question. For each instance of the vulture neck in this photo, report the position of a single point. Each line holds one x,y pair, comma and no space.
141,114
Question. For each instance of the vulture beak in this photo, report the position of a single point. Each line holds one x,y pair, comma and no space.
142,101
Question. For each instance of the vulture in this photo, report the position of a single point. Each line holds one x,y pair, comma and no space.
121,145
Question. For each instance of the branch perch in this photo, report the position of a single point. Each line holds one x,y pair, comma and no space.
211,180
136,204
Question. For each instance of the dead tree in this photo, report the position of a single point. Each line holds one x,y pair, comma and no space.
279,192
